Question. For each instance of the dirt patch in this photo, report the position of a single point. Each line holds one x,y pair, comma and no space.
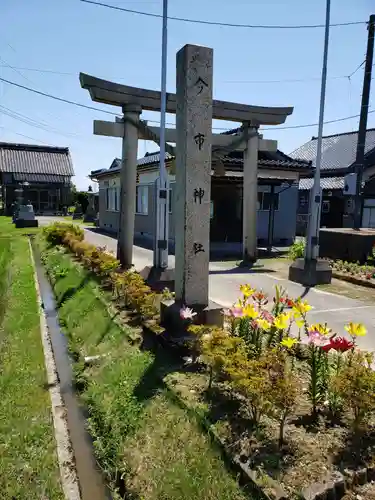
366,492
315,449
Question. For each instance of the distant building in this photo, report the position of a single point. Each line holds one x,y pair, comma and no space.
278,177
338,160
44,172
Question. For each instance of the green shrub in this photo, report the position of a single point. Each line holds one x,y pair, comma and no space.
297,250
56,232
355,385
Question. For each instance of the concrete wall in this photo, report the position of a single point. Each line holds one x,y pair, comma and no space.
284,225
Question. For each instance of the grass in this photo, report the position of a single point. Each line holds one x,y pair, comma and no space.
145,443
8,229
28,460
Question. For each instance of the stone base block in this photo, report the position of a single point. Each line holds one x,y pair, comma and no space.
89,218
158,278
26,223
175,326
346,244
310,273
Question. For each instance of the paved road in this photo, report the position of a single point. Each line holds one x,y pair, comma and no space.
225,279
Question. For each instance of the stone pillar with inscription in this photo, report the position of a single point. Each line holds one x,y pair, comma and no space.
193,187
193,174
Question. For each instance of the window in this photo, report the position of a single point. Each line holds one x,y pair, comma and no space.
326,205
142,200
170,201
303,201
264,201
113,199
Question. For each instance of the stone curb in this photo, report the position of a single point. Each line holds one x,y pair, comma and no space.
336,490
353,280
68,473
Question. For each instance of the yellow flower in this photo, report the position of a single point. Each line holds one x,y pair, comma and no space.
250,312
247,291
288,342
320,328
281,321
302,307
300,322
263,324
356,329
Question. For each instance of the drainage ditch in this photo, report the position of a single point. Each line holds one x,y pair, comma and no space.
91,481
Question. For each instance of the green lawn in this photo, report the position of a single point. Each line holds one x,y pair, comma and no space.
28,461
7,228
139,433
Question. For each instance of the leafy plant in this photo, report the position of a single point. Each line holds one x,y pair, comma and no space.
297,250
317,361
217,349
249,378
55,233
284,389
355,385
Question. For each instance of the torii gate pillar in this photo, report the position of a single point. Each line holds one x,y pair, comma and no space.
128,177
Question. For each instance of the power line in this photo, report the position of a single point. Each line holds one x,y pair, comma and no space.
215,23
67,101
37,70
296,80
34,123
56,98
288,80
358,68
315,124
26,136
7,65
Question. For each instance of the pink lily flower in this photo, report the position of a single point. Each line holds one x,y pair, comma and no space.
317,339
236,312
187,313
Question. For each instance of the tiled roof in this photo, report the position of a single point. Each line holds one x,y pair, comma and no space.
266,159
149,159
29,159
338,151
42,178
325,183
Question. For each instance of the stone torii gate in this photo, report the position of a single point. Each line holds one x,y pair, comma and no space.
195,109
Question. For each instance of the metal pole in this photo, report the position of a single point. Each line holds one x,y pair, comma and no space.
312,243
271,220
360,154
162,190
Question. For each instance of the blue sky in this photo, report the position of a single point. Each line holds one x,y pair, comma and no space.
69,36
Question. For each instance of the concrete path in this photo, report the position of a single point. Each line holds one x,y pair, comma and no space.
225,279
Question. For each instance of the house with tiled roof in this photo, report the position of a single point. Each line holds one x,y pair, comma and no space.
44,172
278,178
338,160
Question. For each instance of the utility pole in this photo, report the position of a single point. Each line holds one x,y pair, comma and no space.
360,154
310,271
162,183
312,243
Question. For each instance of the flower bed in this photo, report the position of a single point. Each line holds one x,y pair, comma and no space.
354,273
293,403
